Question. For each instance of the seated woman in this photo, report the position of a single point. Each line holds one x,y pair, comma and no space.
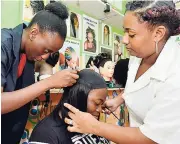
88,95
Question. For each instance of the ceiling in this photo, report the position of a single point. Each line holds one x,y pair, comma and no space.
95,8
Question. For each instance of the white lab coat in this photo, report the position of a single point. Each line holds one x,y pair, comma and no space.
153,100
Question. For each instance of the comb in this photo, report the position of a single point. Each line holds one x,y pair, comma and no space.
113,114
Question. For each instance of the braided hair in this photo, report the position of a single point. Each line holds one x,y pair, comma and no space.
157,13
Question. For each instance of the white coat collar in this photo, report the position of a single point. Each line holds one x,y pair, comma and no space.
159,71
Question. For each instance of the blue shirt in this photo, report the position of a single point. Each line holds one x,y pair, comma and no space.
10,53
13,123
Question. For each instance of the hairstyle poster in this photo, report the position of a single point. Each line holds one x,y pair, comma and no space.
106,35
118,47
31,7
69,55
106,50
75,25
90,34
85,58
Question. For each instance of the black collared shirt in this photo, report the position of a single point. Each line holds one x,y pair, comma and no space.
13,123
10,53
53,130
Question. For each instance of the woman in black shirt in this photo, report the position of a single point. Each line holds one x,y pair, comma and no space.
88,95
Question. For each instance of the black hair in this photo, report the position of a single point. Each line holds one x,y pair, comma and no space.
37,5
75,95
91,58
52,19
157,13
99,60
120,71
72,16
53,59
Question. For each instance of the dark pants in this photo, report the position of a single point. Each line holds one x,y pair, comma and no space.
13,125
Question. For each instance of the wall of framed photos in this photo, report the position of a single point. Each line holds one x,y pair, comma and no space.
86,36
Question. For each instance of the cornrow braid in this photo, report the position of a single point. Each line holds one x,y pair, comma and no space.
157,13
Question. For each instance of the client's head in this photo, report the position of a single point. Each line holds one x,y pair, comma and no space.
88,94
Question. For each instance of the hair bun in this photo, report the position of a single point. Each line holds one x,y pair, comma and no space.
58,9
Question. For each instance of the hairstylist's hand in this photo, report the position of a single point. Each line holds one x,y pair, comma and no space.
113,104
80,122
63,78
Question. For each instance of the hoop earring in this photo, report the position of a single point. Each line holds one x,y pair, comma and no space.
156,47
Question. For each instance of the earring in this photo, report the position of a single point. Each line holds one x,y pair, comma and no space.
156,47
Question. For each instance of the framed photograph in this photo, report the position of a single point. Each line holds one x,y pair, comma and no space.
69,55
106,34
90,34
117,46
31,7
75,25
85,58
107,50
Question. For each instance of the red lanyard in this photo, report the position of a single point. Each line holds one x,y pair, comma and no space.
21,65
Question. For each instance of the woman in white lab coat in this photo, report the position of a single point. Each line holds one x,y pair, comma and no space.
152,92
